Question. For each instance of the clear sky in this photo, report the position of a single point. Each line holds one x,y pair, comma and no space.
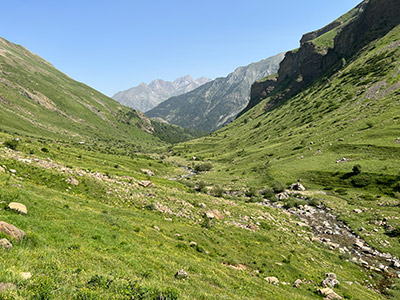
114,45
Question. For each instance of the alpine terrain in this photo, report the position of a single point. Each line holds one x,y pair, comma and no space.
297,198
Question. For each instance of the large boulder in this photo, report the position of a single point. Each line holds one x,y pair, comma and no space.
12,231
329,294
297,187
18,207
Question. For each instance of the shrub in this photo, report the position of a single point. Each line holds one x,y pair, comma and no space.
207,166
45,150
201,186
251,192
278,187
99,281
315,202
11,144
268,193
218,191
360,181
356,169
150,206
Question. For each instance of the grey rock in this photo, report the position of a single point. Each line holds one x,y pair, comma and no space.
330,280
181,274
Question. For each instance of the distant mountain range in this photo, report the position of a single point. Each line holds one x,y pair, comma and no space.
217,102
144,97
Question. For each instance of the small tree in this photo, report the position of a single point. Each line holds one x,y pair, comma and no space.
356,169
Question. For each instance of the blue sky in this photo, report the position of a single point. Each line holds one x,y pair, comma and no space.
114,45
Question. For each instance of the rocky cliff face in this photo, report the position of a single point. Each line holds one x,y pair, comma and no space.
145,97
368,21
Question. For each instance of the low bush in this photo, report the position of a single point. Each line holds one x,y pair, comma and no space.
278,187
11,144
207,166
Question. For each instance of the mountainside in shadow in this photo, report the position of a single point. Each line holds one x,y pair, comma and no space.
217,102
145,97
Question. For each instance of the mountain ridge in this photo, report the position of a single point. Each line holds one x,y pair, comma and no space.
217,102
144,96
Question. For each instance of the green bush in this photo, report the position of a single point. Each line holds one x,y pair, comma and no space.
356,169
207,166
251,192
11,144
278,187
360,181
218,191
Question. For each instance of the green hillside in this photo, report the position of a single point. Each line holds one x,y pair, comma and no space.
38,100
114,211
346,119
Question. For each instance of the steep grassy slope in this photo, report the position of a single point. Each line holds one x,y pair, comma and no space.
38,100
352,114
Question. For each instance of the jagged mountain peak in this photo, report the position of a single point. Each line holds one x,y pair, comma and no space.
146,96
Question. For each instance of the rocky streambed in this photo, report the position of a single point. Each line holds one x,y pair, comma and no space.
327,229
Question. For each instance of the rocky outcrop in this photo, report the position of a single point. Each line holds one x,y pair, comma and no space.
370,20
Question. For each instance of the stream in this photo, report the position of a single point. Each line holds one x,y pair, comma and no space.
327,229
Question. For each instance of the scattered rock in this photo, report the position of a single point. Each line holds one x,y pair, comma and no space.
214,214
344,159
7,286
282,196
396,264
329,294
192,244
252,226
13,171
72,181
18,207
330,280
181,274
146,183
357,211
5,244
147,172
156,228
202,205
2,170
297,187
26,275
12,231
272,280
297,283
